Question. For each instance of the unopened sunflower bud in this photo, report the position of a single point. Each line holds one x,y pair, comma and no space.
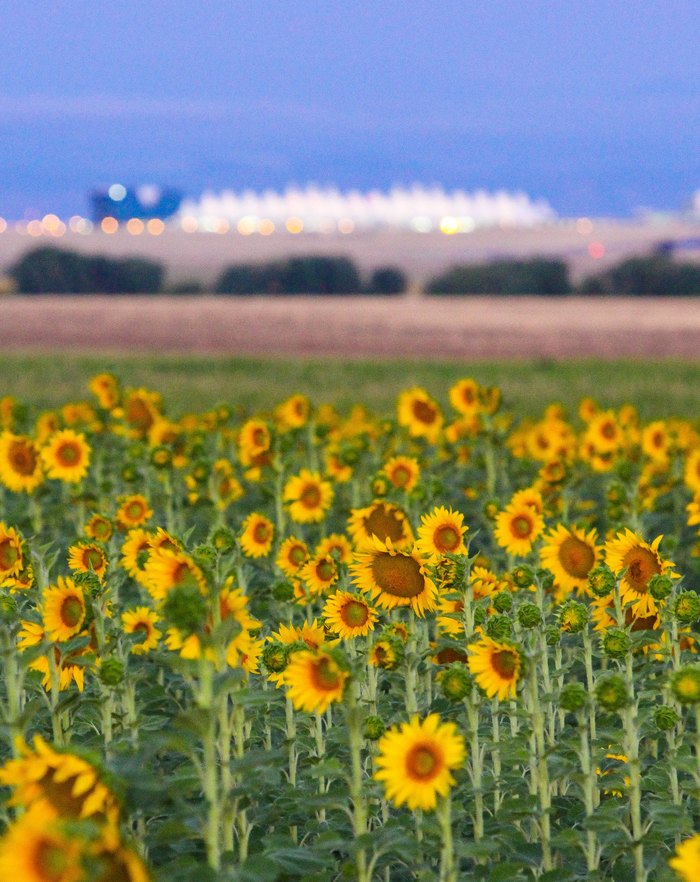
660,586
112,671
611,692
373,728
283,591
522,576
529,615
552,635
205,555
89,582
491,509
8,608
665,718
503,602
546,579
223,540
573,616
601,580
479,615
686,607
616,643
185,609
275,657
685,684
499,627
573,697
455,682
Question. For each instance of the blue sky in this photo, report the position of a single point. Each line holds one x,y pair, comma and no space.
594,105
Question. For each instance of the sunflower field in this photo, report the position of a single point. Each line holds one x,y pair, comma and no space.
447,643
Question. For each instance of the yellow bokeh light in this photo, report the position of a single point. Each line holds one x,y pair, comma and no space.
109,225
247,225
294,225
449,225
222,226
50,222
266,227
346,225
155,226
59,229
189,224
135,226
35,228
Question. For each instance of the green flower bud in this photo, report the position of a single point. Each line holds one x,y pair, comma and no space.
522,576
491,509
552,635
611,692
373,728
205,555
185,609
275,657
89,582
686,607
283,591
573,616
685,684
665,718
503,602
546,579
573,697
601,580
455,682
529,615
161,457
499,627
479,615
616,643
660,586
129,474
8,608
112,671
223,540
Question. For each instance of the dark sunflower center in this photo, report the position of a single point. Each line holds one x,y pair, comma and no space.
641,565
607,430
355,614
22,458
260,438
139,415
576,557
183,576
50,860
134,510
102,530
68,454
398,574
297,556
401,476
325,570
310,496
142,626
261,533
521,527
504,663
93,558
423,762
384,524
424,412
9,554
446,538
72,612
325,674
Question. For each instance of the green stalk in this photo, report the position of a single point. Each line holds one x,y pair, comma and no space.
540,771
292,755
496,753
210,769
629,719
359,804
591,850
448,867
476,760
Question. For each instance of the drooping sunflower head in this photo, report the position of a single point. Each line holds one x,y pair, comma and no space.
349,615
416,761
570,554
441,532
315,679
395,578
496,667
21,467
308,497
517,528
66,456
63,609
166,570
380,520
257,536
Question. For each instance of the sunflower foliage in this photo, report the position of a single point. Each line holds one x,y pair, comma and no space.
450,643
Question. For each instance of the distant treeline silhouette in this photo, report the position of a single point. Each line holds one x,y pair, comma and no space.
49,270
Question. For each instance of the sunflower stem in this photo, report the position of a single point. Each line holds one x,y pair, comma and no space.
471,703
359,805
631,736
591,849
448,867
496,753
292,755
539,770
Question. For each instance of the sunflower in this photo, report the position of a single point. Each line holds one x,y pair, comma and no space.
105,387
337,545
319,573
349,615
140,409
308,497
121,864
657,441
381,520
66,456
11,558
293,412
99,528
63,609
30,635
292,555
20,463
314,680
164,541
336,468
416,761
517,527
485,582
691,471
420,414
257,536
254,438
570,553
142,620
495,667
604,433
386,653
441,532
135,551
686,860
133,511
403,472
464,397
165,570
450,619
87,557
40,847
640,561
395,578
226,488
310,633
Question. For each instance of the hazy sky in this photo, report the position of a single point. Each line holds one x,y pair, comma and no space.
593,105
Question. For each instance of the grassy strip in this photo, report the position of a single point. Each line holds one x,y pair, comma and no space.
659,389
